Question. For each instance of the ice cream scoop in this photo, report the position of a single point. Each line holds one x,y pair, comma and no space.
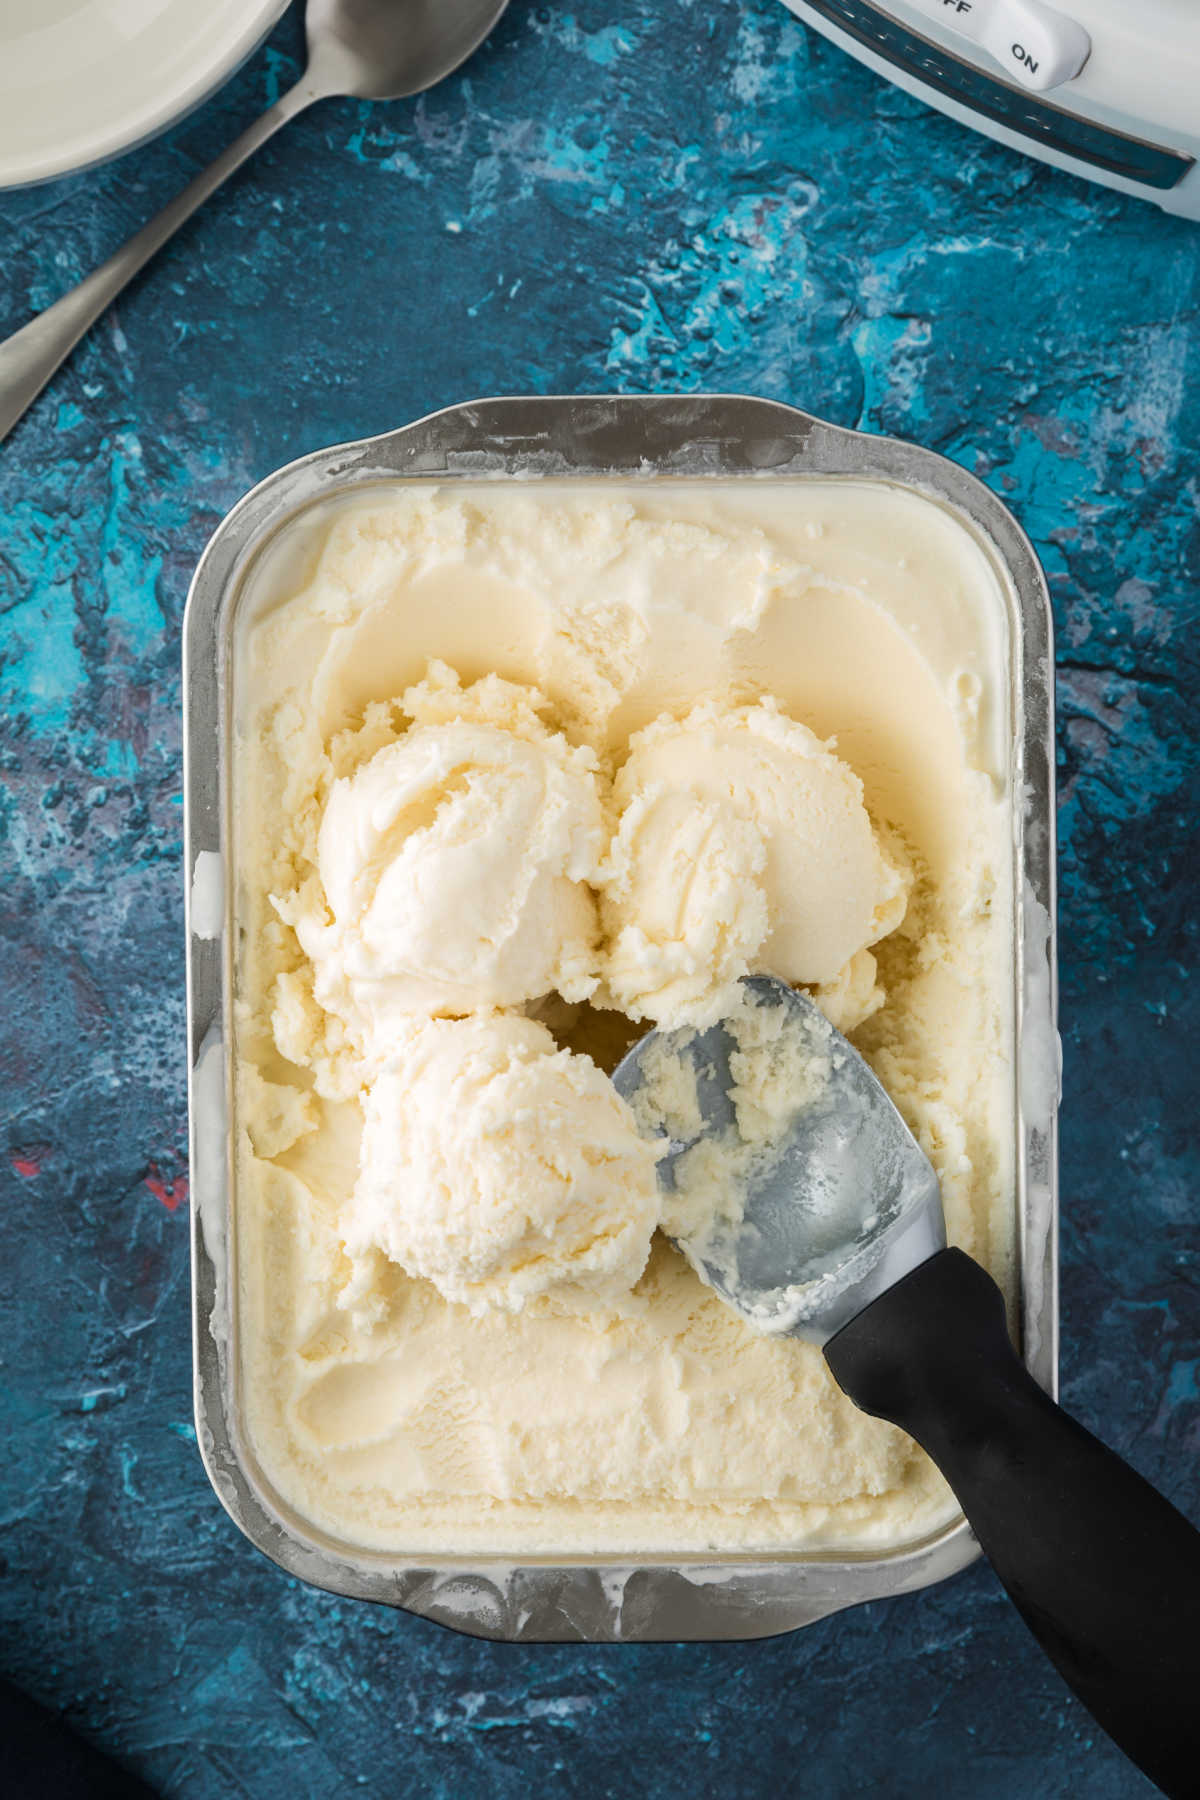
795,1188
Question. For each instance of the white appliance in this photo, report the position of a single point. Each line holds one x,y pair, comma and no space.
1109,89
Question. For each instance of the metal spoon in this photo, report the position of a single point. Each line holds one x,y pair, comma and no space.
836,1234
360,49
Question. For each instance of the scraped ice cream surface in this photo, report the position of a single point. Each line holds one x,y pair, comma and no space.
520,770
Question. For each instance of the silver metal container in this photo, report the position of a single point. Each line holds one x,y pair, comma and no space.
641,438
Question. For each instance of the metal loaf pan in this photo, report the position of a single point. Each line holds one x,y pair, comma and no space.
599,1598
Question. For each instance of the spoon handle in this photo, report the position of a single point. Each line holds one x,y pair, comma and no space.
1103,1569
30,356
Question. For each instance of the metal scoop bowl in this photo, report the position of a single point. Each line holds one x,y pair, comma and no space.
842,1208
836,1234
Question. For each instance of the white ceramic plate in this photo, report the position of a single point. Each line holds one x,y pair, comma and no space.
82,80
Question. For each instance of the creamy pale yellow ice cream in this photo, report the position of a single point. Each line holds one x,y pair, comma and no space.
453,866
742,842
549,755
500,1167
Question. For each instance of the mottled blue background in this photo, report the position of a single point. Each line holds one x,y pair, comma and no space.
664,195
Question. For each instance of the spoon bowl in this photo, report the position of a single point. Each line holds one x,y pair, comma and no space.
392,49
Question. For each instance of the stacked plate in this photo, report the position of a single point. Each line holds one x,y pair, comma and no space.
82,80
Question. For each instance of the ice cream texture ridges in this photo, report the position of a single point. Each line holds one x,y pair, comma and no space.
454,865
618,746
500,1167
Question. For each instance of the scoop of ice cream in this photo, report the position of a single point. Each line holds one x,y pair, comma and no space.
683,900
499,1167
853,996
454,866
742,844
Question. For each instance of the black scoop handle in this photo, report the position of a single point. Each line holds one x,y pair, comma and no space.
1103,1570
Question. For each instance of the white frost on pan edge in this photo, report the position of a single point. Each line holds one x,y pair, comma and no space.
612,1586
711,1575
1039,1070
210,1115
208,895
1040,1064
479,1596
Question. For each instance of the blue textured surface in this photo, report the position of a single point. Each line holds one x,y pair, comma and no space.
657,196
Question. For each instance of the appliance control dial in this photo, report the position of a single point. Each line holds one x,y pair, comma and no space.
1034,44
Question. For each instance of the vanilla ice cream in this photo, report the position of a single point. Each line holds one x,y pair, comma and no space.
517,765
453,866
499,1167
743,843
